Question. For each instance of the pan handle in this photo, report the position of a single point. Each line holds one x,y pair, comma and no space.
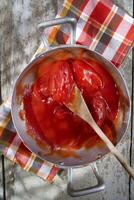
58,21
82,192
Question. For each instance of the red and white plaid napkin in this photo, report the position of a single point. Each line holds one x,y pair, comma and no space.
101,26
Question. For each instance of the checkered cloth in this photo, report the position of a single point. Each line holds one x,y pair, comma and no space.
101,26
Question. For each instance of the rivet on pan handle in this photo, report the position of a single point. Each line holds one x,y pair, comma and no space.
58,21
82,192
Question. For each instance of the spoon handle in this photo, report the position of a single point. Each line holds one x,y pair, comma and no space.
113,149
79,107
123,162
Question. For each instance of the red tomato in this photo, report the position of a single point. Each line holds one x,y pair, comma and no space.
56,83
98,109
86,77
50,121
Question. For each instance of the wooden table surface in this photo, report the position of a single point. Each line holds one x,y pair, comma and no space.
18,41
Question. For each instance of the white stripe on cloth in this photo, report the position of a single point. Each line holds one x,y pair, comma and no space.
8,102
30,162
128,19
115,42
5,117
124,27
90,6
4,111
12,149
120,38
44,171
103,27
11,127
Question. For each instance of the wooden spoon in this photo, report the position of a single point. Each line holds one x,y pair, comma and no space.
79,107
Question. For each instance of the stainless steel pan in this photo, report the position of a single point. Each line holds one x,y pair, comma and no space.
28,77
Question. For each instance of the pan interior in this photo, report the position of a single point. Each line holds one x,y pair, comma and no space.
28,76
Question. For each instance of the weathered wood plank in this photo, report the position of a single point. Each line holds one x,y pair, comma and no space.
19,40
128,5
19,36
132,149
1,188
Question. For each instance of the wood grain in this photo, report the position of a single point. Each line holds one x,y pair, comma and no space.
18,41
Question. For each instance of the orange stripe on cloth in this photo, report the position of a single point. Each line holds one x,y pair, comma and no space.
63,13
5,115
22,156
95,20
6,139
52,173
4,123
45,170
30,162
13,148
37,168
103,27
27,161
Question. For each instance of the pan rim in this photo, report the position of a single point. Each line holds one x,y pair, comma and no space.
43,54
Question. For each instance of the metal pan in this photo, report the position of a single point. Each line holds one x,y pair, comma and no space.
27,77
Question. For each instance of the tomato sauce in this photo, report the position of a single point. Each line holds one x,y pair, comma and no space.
48,119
